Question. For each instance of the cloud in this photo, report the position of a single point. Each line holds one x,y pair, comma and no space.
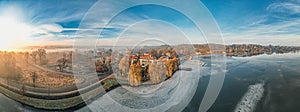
284,7
55,28
280,26
49,12
257,21
55,21
287,40
156,32
45,31
60,23
281,33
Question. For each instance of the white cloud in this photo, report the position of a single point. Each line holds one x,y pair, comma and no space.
284,7
55,28
282,33
254,32
161,32
46,29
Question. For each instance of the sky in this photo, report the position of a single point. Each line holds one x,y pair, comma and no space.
56,22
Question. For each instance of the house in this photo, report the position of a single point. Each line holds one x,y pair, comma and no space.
144,59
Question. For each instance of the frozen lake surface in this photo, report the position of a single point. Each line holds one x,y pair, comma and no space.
173,94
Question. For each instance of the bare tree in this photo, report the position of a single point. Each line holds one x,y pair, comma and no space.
153,52
42,55
33,55
101,65
62,63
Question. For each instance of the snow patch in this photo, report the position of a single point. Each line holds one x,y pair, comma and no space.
251,98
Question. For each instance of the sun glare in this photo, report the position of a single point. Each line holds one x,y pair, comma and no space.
12,33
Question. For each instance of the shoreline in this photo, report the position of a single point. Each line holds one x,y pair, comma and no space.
166,97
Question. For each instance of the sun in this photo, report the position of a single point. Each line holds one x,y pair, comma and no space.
13,33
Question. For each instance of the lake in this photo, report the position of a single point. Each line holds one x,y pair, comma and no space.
279,72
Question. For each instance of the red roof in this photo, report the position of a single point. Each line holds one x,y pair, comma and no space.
145,56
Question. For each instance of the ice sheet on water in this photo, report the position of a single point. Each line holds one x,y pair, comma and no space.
174,93
251,98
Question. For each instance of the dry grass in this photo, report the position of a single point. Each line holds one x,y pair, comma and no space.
50,80
45,79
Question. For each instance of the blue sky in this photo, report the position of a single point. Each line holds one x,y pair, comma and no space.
257,21
241,21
